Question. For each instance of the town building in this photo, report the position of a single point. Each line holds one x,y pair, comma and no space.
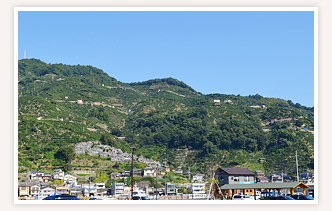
70,180
117,189
198,178
228,102
137,172
58,174
23,190
35,175
48,191
62,190
170,189
235,176
149,172
197,188
34,190
216,102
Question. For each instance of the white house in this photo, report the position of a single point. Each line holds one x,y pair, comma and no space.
70,180
47,191
198,178
23,190
35,175
216,102
34,190
197,188
58,174
117,189
40,118
99,185
149,172
228,102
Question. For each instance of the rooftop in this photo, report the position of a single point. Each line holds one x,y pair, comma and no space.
264,185
238,171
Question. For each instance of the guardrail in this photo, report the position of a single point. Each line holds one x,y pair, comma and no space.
152,197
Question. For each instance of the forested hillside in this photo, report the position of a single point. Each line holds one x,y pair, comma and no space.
163,118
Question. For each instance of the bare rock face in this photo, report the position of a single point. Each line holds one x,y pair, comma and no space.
97,149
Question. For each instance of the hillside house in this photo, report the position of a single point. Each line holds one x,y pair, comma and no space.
62,190
137,172
70,180
58,174
44,185
149,172
228,102
197,188
198,178
259,173
48,191
79,101
117,189
35,175
23,190
124,174
47,178
274,178
170,189
216,102
179,171
34,190
115,175
77,191
235,176
261,179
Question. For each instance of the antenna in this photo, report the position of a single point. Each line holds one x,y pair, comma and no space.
25,54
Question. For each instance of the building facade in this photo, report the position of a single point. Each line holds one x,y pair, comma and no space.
117,189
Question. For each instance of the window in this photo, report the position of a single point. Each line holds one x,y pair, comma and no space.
246,178
236,179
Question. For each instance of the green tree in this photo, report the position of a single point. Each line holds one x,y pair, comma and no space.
65,153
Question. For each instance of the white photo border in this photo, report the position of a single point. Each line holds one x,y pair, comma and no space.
129,202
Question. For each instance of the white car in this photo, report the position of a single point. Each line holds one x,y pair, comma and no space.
242,197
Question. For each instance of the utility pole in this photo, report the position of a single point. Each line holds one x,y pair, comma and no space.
132,171
297,167
165,160
89,187
156,182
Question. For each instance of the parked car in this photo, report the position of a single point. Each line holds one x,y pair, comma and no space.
61,197
237,197
302,197
268,195
141,198
242,197
95,198
281,198
258,195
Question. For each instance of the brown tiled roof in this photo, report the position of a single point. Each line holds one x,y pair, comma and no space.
238,171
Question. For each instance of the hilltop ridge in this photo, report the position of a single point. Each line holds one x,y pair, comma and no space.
163,118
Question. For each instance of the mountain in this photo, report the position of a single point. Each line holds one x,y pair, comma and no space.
164,119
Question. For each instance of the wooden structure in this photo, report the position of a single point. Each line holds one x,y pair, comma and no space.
234,188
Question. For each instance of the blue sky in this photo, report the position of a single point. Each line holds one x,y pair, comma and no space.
245,53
